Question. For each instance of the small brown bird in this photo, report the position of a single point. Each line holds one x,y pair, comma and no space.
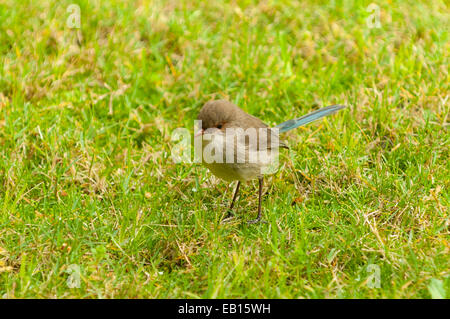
239,146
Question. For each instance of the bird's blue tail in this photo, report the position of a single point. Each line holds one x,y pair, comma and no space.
291,124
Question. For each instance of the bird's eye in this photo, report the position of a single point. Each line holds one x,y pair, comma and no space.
219,126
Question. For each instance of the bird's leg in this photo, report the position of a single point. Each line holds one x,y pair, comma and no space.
230,214
258,219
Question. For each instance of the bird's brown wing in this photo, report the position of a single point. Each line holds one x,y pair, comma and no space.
272,134
246,121
265,141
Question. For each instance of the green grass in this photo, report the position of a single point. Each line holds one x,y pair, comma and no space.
87,179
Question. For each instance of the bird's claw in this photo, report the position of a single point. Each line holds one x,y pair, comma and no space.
256,221
228,218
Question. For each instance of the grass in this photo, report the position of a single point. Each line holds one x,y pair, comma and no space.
87,179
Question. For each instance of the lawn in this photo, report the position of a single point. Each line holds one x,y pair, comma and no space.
92,204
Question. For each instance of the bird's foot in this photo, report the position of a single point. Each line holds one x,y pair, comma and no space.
256,221
228,218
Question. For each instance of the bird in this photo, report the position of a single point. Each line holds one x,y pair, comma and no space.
237,146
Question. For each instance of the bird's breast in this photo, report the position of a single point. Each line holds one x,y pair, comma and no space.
229,158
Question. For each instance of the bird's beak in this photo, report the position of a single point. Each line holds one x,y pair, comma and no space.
199,132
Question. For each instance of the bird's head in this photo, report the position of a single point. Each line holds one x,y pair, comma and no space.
218,115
